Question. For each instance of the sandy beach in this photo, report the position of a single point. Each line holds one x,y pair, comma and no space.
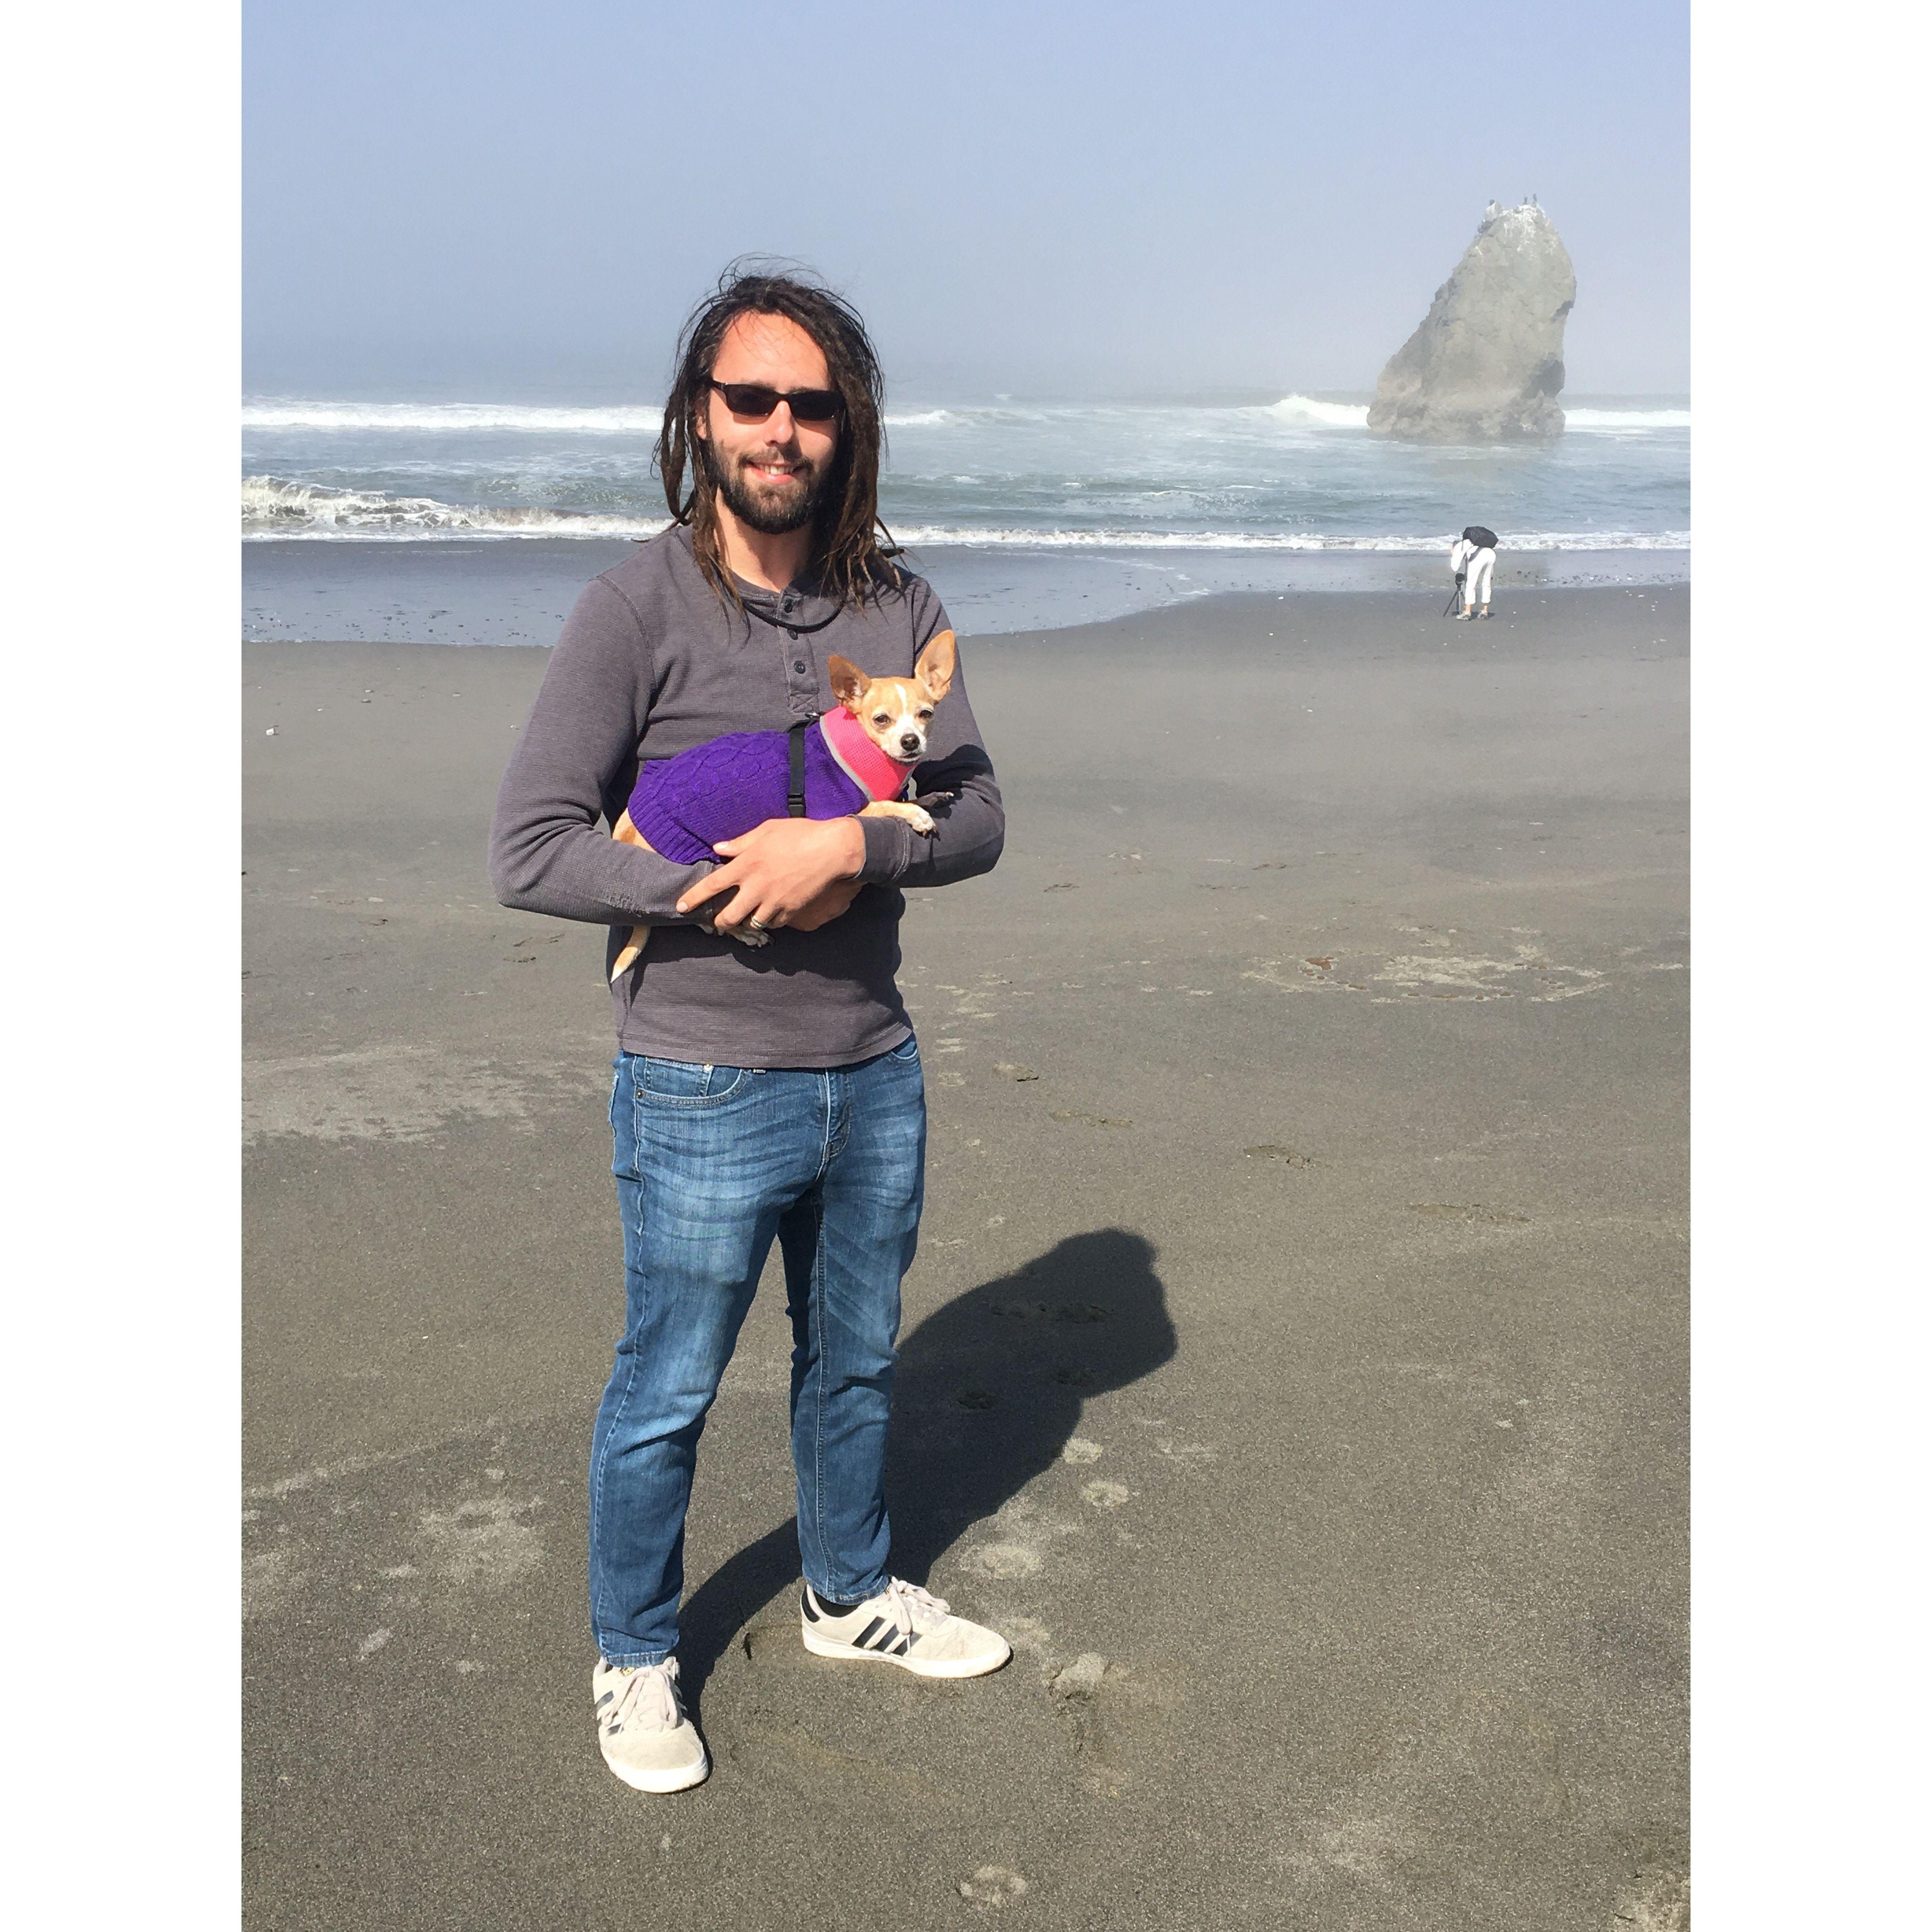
1294,1366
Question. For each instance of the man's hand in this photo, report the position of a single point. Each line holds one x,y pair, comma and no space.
780,871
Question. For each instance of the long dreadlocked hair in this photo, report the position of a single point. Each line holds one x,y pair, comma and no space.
852,560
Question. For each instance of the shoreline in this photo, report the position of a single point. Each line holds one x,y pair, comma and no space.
519,590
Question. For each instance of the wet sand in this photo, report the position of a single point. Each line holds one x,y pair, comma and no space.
519,591
1294,1366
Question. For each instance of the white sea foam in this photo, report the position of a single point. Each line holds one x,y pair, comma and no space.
273,508
1627,419
1302,411
1256,540
1305,411
277,412
281,412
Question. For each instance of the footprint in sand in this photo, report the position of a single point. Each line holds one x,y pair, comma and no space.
1104,1495
1029,1635
1116,1716
992,1887
1284,1156
1472,1210
1655,1900
1006,1561
1080,1679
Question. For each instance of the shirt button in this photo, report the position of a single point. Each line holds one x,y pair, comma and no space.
798,665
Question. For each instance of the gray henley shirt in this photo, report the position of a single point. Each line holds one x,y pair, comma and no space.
651,662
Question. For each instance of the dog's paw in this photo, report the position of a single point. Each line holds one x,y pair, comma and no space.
746,937
919,820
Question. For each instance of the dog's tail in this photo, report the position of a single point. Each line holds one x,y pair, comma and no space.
633,952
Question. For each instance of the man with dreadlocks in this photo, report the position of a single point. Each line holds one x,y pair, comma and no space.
760,1093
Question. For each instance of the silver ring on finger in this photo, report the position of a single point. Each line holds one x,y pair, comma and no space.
754,926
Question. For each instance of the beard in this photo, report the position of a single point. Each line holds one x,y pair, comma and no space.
771,512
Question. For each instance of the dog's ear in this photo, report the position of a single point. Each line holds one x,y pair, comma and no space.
848,682
937,664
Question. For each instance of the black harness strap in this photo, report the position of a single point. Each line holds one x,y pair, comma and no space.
795,789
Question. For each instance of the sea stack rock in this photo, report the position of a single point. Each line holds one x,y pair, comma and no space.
1487,364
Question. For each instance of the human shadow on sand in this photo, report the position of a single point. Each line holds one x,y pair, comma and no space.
989,1390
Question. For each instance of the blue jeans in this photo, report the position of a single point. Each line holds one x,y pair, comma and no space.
712,1163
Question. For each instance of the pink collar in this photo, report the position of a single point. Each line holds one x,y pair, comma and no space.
858,755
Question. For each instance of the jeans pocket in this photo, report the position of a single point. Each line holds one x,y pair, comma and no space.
906,1051
685,1084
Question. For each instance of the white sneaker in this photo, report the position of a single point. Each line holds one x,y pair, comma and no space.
905,1625
646,1738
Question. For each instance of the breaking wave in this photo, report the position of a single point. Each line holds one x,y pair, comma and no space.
272,508
1305,410
1301,412
1627,419
272,412
277,413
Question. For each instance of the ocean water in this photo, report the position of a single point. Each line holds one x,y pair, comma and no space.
390,518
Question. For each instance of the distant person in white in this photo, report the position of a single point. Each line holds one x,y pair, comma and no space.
1474,566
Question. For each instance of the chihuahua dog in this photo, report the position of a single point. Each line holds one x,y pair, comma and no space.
859,759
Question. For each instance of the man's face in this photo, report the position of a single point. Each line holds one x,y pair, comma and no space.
771,473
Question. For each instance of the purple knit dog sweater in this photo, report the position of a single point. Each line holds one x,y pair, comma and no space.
683,805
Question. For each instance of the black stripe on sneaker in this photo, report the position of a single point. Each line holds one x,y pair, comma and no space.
887,1636
900,1649
806,1603
871,1629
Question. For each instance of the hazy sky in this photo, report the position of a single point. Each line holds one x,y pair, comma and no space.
469,198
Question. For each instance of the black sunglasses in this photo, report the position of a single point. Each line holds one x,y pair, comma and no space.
755,402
